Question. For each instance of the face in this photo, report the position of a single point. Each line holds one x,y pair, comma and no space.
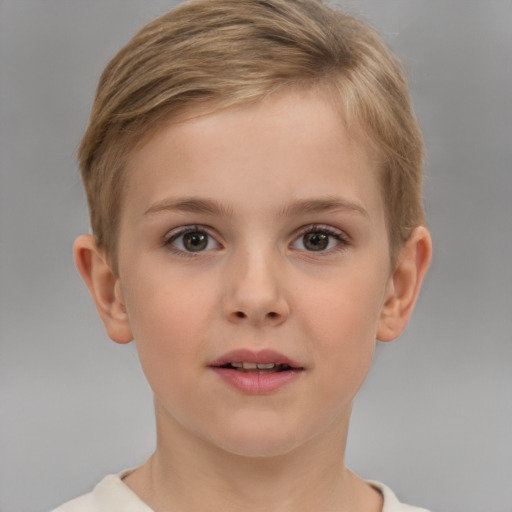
254,266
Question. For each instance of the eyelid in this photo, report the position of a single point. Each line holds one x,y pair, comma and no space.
180,231
342,237
326,228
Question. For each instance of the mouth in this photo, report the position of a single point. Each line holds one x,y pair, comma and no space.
257,373
259,368
262,361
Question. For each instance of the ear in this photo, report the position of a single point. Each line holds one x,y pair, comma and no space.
404,284
104,286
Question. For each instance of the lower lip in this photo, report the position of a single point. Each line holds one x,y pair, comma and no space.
257,383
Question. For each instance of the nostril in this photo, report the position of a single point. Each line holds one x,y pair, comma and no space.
240,314
272,314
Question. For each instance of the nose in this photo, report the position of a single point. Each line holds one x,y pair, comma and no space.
255,291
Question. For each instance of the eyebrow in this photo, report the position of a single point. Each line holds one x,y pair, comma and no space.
297,207
191,205
322,205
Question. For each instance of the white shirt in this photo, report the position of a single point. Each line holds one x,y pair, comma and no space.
113,495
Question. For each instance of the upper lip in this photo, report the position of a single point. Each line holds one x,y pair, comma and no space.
251,356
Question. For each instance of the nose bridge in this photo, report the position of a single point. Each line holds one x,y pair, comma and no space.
254,291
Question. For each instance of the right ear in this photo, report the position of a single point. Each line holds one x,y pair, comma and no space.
104,286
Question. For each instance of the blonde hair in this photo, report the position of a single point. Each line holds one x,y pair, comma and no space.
228,52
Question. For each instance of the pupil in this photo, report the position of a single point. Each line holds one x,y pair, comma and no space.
195,241
316,241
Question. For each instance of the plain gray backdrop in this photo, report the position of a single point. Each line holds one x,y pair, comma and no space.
434,418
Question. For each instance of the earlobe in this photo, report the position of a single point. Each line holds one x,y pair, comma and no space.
104,287
405,283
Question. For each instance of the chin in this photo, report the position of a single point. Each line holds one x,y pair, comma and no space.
258,440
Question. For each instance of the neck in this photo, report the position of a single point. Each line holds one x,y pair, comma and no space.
311,477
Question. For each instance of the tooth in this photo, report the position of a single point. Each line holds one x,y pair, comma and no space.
250,366
265,366
237,365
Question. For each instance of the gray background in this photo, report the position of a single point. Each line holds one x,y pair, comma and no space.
434,418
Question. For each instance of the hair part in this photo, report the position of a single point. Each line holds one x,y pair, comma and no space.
219,53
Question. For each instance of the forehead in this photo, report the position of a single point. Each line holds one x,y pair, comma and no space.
287,145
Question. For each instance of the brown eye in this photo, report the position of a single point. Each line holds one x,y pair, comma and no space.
316,241
191,240
320,239
195,242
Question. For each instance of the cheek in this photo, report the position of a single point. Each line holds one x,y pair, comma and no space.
347,311
168,340
342,322
168,319
164,301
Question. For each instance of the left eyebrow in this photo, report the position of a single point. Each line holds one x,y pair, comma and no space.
323,205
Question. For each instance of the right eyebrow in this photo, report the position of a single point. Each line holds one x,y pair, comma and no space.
191,205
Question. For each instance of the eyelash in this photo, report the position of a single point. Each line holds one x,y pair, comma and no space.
342,240
181,232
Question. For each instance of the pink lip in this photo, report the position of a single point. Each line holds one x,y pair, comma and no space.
256,383
249,356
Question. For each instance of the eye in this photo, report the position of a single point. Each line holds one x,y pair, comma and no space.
319,239
192,240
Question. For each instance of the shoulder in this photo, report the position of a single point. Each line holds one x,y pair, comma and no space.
391,503
110,495
84,503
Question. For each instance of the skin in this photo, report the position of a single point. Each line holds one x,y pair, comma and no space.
257,182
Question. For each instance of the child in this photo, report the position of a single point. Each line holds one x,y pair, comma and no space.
253,171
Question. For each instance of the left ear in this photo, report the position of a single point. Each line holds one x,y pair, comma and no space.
404,284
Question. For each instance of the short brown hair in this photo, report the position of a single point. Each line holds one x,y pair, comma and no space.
228,52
